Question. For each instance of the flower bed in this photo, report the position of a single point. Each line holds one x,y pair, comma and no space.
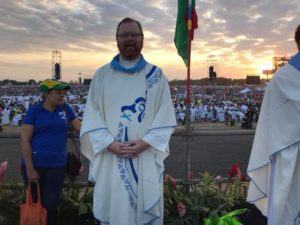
210,201
200,201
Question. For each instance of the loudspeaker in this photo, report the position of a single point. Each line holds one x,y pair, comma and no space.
211,73
57,71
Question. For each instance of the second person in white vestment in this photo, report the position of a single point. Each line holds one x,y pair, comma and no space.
274,166
126,128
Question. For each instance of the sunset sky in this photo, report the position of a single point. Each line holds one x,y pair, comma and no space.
242,36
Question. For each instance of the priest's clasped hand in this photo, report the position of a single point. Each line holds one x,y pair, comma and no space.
130,149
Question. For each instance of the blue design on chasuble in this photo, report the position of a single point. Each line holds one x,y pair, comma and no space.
137,107
123,168
125,165
295,61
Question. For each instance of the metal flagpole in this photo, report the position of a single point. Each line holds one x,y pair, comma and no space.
188,93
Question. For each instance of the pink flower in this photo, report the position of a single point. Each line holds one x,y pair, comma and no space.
218,178
190,175
169,178
3,168
181,209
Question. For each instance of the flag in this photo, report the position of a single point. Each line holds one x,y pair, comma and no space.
186,15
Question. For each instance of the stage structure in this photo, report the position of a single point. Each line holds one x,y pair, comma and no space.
253,80
277,63
56,64
252,77
87,79
84,78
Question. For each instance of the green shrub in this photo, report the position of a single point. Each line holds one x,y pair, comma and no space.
189,203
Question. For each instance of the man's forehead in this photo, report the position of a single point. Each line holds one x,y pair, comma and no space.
132,26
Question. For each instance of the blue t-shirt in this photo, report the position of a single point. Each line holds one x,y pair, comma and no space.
49,138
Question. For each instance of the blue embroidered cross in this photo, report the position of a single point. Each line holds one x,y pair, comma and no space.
126,116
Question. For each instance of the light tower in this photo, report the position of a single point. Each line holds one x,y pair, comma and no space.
56,64
277,63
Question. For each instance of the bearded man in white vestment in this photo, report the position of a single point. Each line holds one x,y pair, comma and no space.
274,166
127,125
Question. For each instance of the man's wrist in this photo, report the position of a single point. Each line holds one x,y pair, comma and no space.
109,146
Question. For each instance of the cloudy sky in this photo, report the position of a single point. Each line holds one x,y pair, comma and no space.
238,36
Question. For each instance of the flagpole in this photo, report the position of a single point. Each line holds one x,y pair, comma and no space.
188,93
186,22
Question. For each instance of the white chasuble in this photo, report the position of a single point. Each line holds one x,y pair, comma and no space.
127,106
274,166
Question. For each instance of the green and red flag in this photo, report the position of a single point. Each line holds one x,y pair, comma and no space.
186,23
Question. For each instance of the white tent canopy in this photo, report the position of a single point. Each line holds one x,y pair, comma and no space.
246,90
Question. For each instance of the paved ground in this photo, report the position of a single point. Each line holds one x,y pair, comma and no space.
213,148
10,129
197,125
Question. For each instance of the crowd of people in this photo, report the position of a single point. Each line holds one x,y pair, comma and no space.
16,100
228,105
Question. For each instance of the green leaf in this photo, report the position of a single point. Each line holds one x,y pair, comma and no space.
207,222
188,200
83,209
236,212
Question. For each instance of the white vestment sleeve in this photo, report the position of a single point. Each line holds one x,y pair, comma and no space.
159,138
100,140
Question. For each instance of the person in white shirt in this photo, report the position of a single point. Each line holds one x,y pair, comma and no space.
5,116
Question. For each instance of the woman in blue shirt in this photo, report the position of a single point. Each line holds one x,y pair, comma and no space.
44,144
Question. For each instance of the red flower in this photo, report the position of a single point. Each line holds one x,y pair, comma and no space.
234,170
243,177
181,209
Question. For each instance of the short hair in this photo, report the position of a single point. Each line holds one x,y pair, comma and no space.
297,35
129,20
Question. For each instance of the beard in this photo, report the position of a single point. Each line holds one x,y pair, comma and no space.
130,50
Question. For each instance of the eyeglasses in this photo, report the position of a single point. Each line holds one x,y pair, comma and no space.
132,35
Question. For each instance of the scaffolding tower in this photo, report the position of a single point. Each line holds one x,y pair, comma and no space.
277,63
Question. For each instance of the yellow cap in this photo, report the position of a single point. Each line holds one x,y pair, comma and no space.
48,84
